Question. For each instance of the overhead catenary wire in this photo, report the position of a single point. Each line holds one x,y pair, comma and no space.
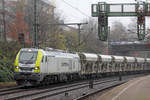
76,8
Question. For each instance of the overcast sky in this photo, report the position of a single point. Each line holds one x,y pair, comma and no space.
74,14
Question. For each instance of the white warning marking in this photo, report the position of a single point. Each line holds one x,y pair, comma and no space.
114,98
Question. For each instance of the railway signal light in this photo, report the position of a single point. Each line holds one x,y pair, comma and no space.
141,19
101,20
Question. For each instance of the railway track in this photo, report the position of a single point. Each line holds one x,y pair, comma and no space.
66,91
12,91
98,90
11,88
51,92
56,90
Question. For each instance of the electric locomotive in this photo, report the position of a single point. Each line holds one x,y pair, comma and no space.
38,66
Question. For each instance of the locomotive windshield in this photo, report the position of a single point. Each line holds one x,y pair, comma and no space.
27,57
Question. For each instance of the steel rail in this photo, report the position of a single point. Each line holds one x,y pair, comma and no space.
11,88
67,90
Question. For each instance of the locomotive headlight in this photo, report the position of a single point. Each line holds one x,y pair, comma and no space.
36,68
17,67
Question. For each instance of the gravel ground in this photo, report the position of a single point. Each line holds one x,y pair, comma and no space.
7,84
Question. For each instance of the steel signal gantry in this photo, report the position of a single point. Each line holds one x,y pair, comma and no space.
102,10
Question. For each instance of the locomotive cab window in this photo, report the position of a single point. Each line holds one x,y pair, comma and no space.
28,57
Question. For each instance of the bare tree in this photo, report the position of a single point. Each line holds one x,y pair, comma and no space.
90,38
118,32
132,30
